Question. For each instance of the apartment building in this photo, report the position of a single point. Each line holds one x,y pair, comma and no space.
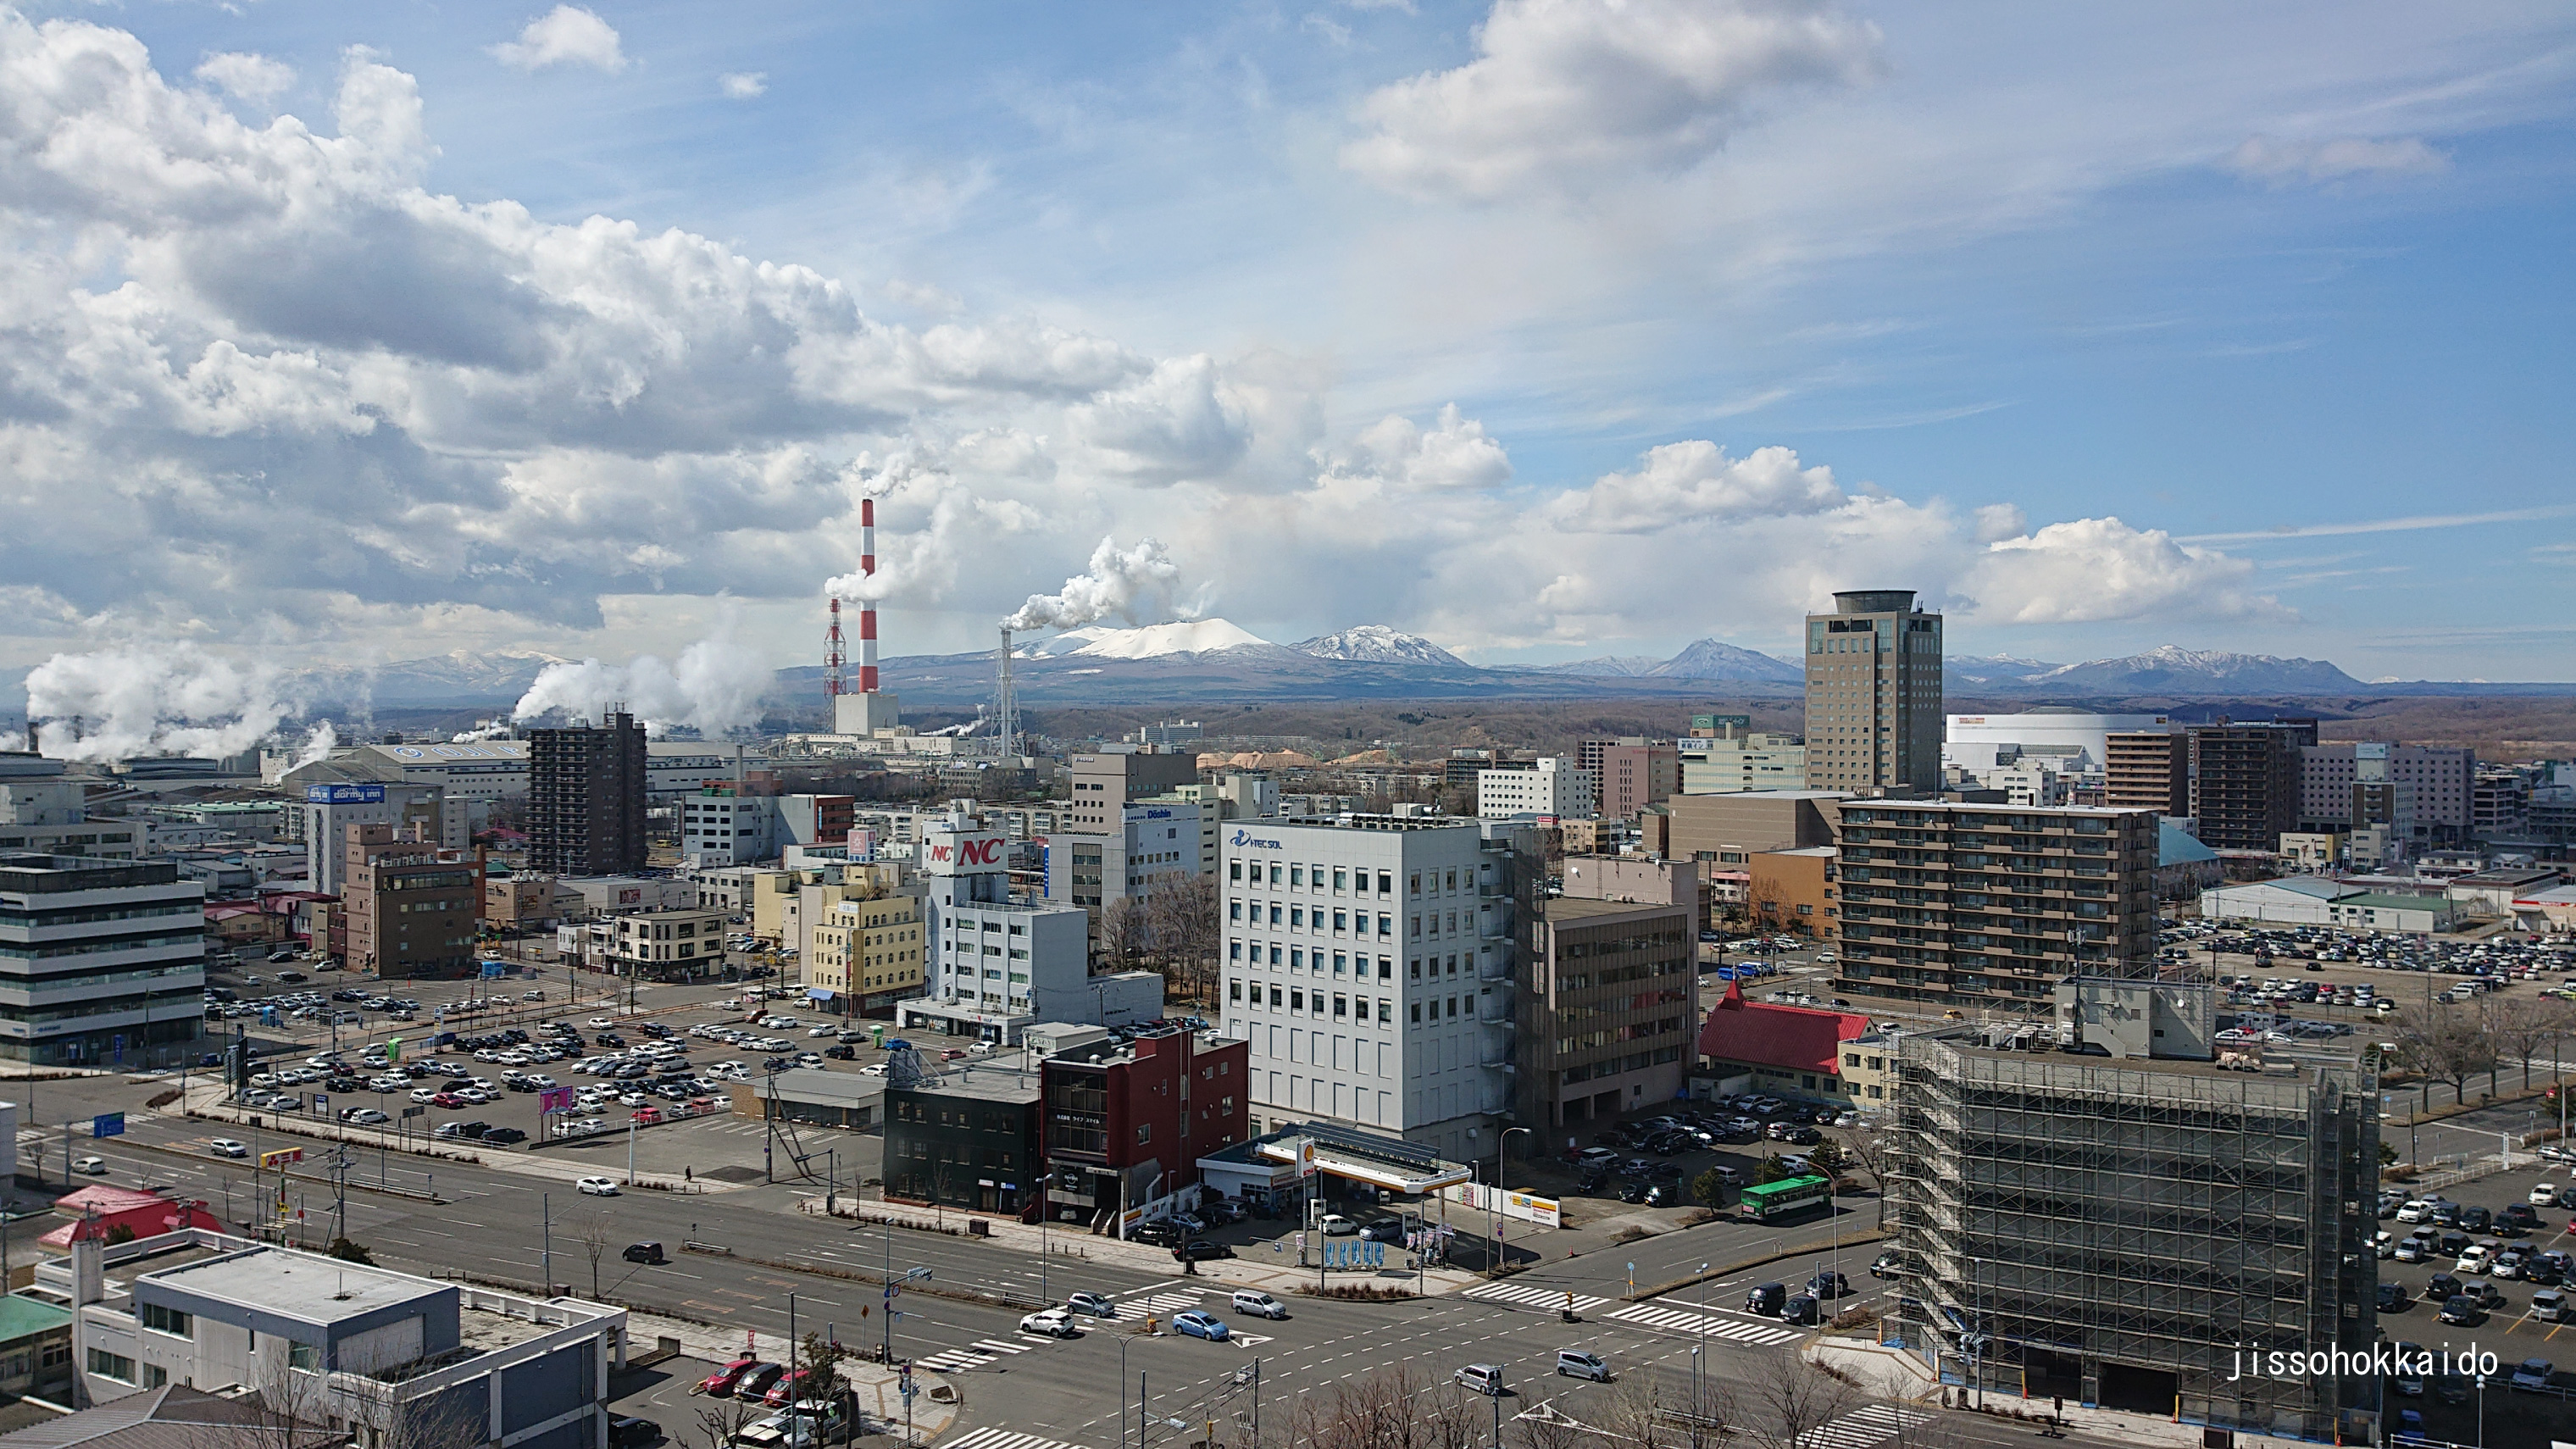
996,964
675,944
1370,964
409,906
2147,769
1553,788
99,960
1874,717
1631,773
586,788
1958,904
1127,1122
2245,782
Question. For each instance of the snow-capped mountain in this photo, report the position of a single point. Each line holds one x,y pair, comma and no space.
2172,669
1703,659
1099,641
1605,666
1378,644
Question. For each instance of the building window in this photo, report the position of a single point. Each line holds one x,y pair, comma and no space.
111,1365
1144,1132
165,1320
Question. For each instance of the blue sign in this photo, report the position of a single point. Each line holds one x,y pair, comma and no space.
1245,837
107,1124
344,794
492,969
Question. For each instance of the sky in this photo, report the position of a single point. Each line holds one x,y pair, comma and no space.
1540,328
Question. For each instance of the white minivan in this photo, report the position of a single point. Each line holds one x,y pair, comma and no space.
1484,1378
1575,1363
1258,1304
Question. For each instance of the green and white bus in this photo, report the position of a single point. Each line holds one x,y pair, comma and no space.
1793,1197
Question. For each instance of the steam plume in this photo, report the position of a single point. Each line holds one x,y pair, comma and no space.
318,745
134,701
714,688
1116,583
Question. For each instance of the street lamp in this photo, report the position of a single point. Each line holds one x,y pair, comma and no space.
1496,1252
1699,1359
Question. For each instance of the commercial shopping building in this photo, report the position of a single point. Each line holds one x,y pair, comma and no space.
100,961
2126,1228
1874,717
1370,963
2319,901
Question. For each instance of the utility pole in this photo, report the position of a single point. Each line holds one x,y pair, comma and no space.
546,1212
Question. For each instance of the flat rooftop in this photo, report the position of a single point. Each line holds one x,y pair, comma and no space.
298,1285
1567,908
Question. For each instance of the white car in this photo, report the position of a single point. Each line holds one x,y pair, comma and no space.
873,1069
423,1094
598,1186
1337,1226
2414,1210
2544,1195
825,1030
2473,1261
1053,1323
599,1023
90,1166
226,1147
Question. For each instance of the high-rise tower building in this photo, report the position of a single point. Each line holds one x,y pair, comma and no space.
586,798
1874,694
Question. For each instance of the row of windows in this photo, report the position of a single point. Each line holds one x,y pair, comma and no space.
1306,877
1298,958
100,913
1298,999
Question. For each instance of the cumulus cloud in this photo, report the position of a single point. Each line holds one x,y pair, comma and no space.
1182,421
1999,521
247,77
744,85
2281,162
2090,570
1688,481
1565,93
565,35
1455,452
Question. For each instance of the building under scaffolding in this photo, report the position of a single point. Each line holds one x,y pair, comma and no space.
2116,1228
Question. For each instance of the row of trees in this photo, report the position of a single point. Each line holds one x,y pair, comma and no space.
2450,1042
1173,929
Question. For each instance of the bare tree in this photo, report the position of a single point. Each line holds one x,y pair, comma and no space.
1181,921
1793,1399
593,1237
719,1420
2521,1027
2445,1044
1125,933
1766,905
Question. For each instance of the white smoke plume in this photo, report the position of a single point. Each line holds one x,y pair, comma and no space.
490,729
136,701
318,745
1116,583
714,688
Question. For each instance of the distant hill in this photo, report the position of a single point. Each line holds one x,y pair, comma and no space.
1704,659
1378,644
2165,669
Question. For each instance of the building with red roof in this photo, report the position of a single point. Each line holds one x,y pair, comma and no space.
1796,1050
149,1214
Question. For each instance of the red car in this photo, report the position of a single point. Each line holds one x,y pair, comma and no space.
785,1389
721,1382
449,1100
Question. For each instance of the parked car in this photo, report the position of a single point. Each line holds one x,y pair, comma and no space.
2532,1375
1338,1226
2392,1296
721,1383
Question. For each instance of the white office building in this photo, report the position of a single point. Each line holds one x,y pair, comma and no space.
1156,844
1734,763
43,809
996,965
1369,963
1556,788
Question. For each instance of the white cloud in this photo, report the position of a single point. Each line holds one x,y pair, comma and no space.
565,35
714,687
2091,570
1455,453
744,85
1565,94
247,77
1182,421
1999,521
1688,481
2280,162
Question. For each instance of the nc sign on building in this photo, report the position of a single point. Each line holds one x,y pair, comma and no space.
344,794
953,852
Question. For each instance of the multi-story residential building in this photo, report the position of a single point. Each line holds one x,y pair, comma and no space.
99,960
2499,805
586,789
1608,1008
410,907
996,964
2245,783
968,1138
677,944
2137,1227
1874,694
1634,774
1155,846
390,1358
1964,904
1106,782
44,811
1553,788
1729,757
867,955
1127,1122
2147,769
2421,792
1369,962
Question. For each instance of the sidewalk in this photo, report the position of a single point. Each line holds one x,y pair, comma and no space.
878,1397
1274,1272
1892,1373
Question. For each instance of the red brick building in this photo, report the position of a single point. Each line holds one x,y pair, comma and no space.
1127,1123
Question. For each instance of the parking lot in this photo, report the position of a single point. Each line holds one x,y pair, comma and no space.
2483,1265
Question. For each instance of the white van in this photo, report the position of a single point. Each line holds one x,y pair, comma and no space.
1484,1378
1575,1363
1258,1304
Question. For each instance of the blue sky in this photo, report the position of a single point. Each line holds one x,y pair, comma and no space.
1527,327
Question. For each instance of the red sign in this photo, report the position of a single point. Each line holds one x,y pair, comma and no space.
953,854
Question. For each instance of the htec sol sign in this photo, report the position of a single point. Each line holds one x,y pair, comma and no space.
956,853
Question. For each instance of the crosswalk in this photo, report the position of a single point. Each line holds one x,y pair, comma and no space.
989,1438
1161,1305
1705,1324
1534,1297
973,1356
1863,1427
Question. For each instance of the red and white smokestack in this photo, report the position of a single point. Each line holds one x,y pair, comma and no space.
868,606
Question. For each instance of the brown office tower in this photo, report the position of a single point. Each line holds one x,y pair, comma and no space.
586,798
412,907
1874,718
2245,782
2147,770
